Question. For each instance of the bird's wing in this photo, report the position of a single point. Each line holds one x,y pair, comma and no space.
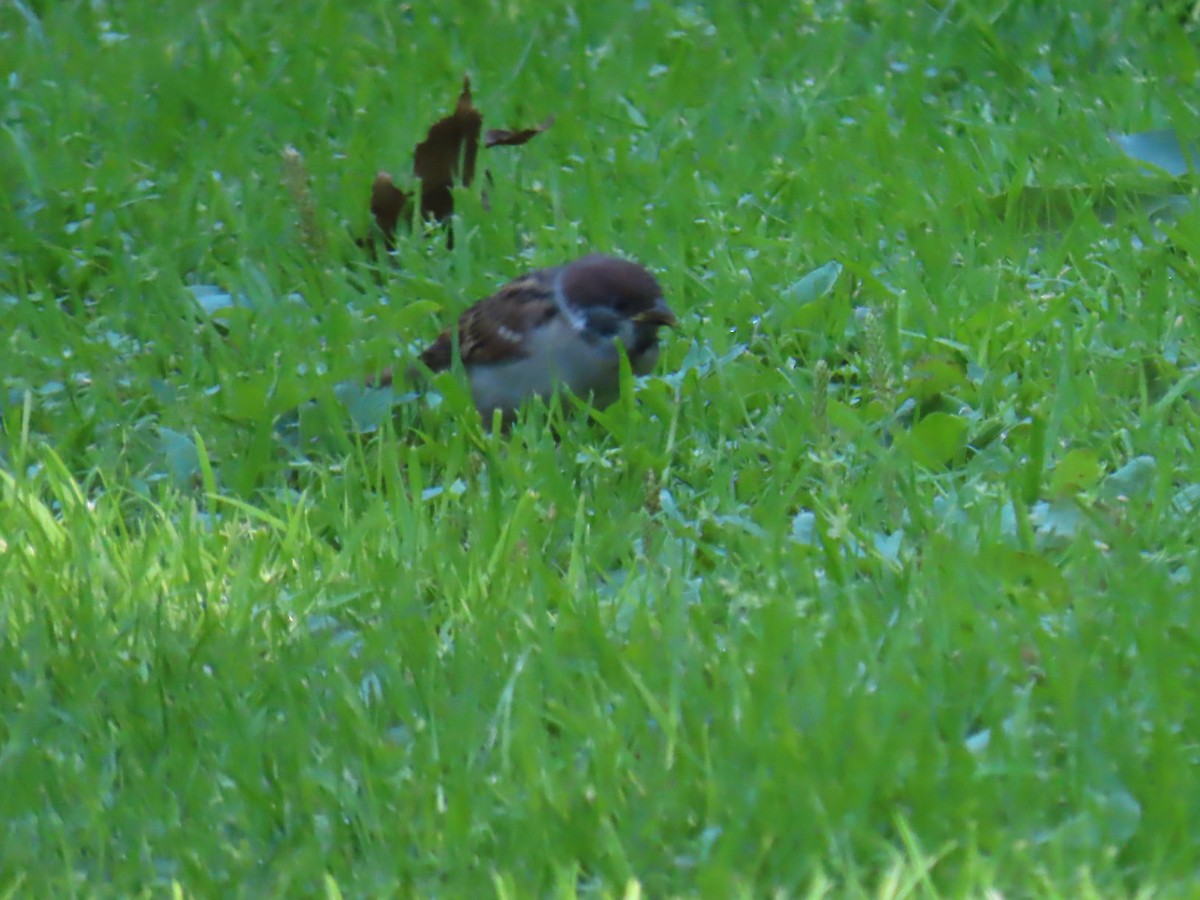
497,328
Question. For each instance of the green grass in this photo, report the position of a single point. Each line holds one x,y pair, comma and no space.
895,601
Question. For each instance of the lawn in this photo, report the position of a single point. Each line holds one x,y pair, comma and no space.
880,587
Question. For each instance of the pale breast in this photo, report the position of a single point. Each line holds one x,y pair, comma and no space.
557,355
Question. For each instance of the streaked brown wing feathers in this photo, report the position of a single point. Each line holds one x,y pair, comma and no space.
495,328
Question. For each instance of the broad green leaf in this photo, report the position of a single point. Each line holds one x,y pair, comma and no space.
1186,500
1028,573
936,441
888,545
847,418
1131,480
180,455
635,115
700,359
369,408
813,286
932,376
1060,520
213,299
252,398
804,528
1055,523
978,742
1118,811
1161,149
1079,470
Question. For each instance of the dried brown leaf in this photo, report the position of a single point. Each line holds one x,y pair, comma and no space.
389,206
446,157
501,137
448,154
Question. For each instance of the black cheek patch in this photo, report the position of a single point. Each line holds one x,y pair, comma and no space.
603,322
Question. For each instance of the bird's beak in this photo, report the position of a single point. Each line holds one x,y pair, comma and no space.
658,314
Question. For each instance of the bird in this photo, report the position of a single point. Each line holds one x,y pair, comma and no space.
558,327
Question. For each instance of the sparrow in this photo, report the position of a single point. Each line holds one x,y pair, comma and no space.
560,327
